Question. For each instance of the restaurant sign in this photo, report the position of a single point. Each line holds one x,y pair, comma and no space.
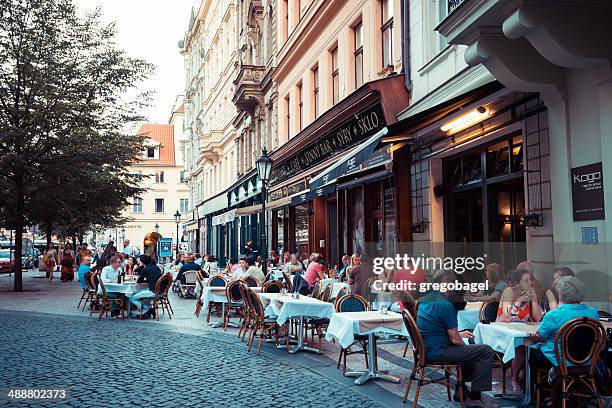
588,193
354,130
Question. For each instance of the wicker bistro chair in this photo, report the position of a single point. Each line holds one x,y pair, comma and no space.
94,282
326,294
235,303
261,325
353,303
288,284
218,281
188,288
409,304
246,311
162,286
200,279
420,364
272,287
316,291
488,314
250,281
341,293
89,293
578,342
108,301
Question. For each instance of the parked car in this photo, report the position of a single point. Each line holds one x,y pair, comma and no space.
30,260
7,260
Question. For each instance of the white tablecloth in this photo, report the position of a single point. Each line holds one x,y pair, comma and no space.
305,306
344,326
198,288
213,294
504,337
126,288
468,319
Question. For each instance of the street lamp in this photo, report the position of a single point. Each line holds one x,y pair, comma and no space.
264,168
177,220
156,227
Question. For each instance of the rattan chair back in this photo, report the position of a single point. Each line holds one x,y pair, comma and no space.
418,346
579,342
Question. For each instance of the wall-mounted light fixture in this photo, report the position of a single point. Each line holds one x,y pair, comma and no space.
465,121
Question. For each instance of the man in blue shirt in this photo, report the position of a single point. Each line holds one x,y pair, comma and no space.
84,267
437,322
571,294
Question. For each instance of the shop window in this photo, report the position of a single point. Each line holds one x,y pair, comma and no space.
302,223
472,168
280,231
517,154
497,159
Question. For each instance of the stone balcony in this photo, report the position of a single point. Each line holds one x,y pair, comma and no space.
248,92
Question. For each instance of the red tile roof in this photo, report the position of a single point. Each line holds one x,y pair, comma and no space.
164,135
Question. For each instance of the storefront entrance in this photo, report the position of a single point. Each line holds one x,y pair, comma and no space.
484,203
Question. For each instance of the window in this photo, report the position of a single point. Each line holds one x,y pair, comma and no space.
137,205
387,32
335,76
184,205
159,205
315,90
300,106
151,152
159,177
358,54
288,117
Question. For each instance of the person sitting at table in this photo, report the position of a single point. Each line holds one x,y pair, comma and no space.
211,266
294,265
496,279
243,266
189,265
571,293
537,286
112,271
274,259
343,267
552,294
198,259
150,275
355,275
286,258
255,272
519,303
84,267
437,322
231,267
314,271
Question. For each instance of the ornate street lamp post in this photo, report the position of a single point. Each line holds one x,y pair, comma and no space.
264,168
177,220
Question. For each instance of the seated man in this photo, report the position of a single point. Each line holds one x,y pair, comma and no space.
84,267
243,266
150,275
255,272
111,272
437,322
189,265
294,265
571,294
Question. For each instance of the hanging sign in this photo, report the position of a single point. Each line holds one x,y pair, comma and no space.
588,192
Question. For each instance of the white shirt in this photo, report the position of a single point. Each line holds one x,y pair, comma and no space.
239,273
109,275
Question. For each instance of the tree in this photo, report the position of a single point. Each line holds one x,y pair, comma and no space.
63,82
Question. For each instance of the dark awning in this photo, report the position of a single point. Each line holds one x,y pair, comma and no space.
350,161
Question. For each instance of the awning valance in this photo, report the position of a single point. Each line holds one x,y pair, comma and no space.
224,218
350,161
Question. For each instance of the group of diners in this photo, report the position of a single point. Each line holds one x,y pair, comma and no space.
521,298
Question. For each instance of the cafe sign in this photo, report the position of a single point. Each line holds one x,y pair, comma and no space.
351,132
588,192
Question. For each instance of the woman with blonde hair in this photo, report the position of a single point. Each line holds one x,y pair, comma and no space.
355,275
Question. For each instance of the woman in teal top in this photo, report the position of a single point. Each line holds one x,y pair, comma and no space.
571,294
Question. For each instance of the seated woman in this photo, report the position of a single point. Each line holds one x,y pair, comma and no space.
519,303
314,271
552,294
497,284
570,294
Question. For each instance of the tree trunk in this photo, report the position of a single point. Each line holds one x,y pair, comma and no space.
19,223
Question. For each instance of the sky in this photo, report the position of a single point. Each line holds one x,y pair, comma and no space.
151,29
